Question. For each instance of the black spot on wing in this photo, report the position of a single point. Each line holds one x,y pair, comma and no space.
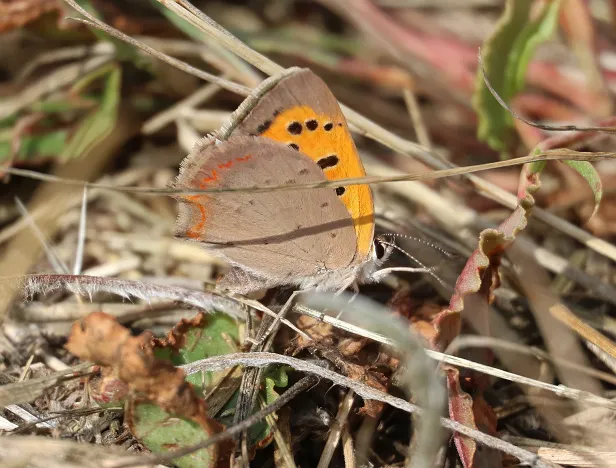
262,128
328,126
328,161
294,146
295,128
340,191
312,125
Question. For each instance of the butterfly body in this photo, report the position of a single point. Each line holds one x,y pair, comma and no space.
289,131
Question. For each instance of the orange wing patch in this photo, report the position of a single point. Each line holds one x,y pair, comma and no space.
199,202
326,139
194,232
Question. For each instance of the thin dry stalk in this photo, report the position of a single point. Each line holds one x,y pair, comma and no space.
348,450
564,315
423,137
336,431
548,155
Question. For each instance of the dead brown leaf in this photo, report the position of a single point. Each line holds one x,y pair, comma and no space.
100,338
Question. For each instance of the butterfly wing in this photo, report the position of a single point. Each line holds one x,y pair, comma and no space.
281,236
299,110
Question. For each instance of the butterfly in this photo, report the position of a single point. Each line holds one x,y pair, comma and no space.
290,130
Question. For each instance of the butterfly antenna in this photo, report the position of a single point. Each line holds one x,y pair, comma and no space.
423,268
420,240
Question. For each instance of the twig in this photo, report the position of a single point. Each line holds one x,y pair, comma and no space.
203,22
336,431
560,390
605,358
550,155
251,379
472,341
88,285
347,448
564,315
423,137
37,451
462,222
283,455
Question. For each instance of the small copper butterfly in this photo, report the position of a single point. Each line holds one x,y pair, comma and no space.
290,130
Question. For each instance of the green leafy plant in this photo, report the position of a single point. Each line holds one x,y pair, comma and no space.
506,55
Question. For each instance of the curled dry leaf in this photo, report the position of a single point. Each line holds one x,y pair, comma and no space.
479,277
100,338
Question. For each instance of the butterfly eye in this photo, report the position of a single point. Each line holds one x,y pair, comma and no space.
379,249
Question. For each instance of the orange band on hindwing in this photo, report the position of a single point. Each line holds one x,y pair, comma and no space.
199,202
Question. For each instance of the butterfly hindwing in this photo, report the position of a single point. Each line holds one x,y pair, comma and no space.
282,236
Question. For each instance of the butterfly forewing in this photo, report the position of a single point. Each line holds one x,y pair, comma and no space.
299,111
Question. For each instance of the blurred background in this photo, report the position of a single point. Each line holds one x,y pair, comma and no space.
78,104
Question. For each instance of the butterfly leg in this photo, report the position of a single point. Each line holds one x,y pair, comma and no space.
355,288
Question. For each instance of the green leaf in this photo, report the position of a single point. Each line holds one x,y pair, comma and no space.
506,55
532,35
276,376
586,170
214,335
99,123
35,147
161,432
204,336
